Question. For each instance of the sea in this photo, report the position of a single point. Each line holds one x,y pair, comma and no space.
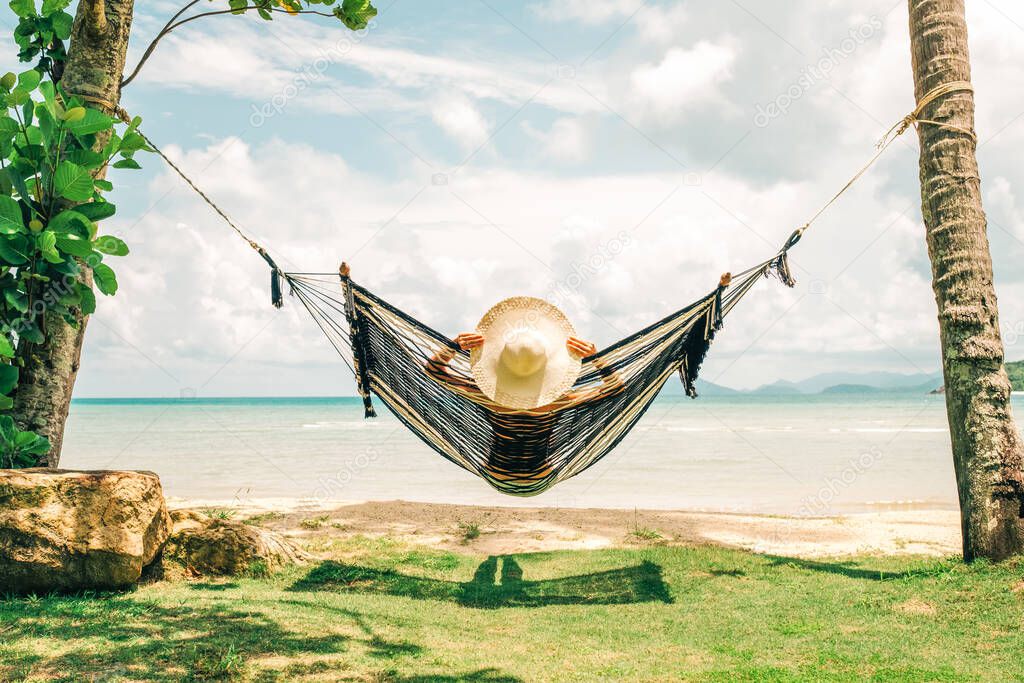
747,453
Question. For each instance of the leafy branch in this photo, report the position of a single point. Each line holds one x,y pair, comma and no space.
355,14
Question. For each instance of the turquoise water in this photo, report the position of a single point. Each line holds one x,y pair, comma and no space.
789,454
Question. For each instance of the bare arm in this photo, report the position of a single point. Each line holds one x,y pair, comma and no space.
611,382
437,365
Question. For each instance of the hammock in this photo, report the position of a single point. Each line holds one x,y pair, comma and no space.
518,452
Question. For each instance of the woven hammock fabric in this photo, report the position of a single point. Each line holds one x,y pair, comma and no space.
518,452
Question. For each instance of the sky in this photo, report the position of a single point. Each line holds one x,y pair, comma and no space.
613,156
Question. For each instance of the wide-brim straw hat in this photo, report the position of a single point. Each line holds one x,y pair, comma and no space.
524,362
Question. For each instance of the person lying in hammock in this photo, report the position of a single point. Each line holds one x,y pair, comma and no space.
438,368
524,358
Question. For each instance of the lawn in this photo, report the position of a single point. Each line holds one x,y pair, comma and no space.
385,611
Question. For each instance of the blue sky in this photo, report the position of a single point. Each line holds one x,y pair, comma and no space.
456,153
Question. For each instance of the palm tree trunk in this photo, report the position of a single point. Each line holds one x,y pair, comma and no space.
988,451
95,66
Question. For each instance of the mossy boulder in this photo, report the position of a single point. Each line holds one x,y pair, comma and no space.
213,546
66,530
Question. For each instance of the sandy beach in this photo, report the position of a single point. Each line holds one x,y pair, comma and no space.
523,529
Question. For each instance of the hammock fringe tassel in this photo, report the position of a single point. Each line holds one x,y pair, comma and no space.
276,294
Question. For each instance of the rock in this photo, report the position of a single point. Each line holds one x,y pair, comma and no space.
63,530
221,546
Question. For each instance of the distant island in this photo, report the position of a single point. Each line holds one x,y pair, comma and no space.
1016,372
851,383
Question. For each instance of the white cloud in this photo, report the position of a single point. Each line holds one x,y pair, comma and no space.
586,11
1002,207
194,298
311,66
461,121
683,79
566,140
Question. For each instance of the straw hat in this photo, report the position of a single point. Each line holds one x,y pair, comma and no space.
524,362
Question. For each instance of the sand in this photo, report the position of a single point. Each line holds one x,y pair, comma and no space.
521,530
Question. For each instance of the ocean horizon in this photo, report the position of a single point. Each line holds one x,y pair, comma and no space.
786,454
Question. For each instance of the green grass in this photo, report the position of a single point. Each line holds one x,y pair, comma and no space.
313,523
219,513
381,610
262,518
469,531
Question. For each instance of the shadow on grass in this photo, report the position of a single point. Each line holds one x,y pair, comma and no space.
848,568
497,582
152,643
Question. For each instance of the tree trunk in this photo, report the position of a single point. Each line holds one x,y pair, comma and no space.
95,66
988,451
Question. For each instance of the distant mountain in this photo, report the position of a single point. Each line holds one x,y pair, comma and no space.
704,388
855,382
1016,372
780,388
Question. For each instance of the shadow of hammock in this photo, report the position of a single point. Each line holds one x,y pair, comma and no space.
848,568
497,582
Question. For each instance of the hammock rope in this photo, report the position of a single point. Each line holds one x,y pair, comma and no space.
518,452
522,452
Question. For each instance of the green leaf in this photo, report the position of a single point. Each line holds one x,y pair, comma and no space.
23,8
11,220
51,6
62,24
105,279
73,182
88,304
16,300
8,127
94,121
12,250
6,402
31,443
47,243
29,80
74,246
97,211
6,348
30,332
16,97
8,378
108,244
7,428
127,163
356,13
72,222
133,142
